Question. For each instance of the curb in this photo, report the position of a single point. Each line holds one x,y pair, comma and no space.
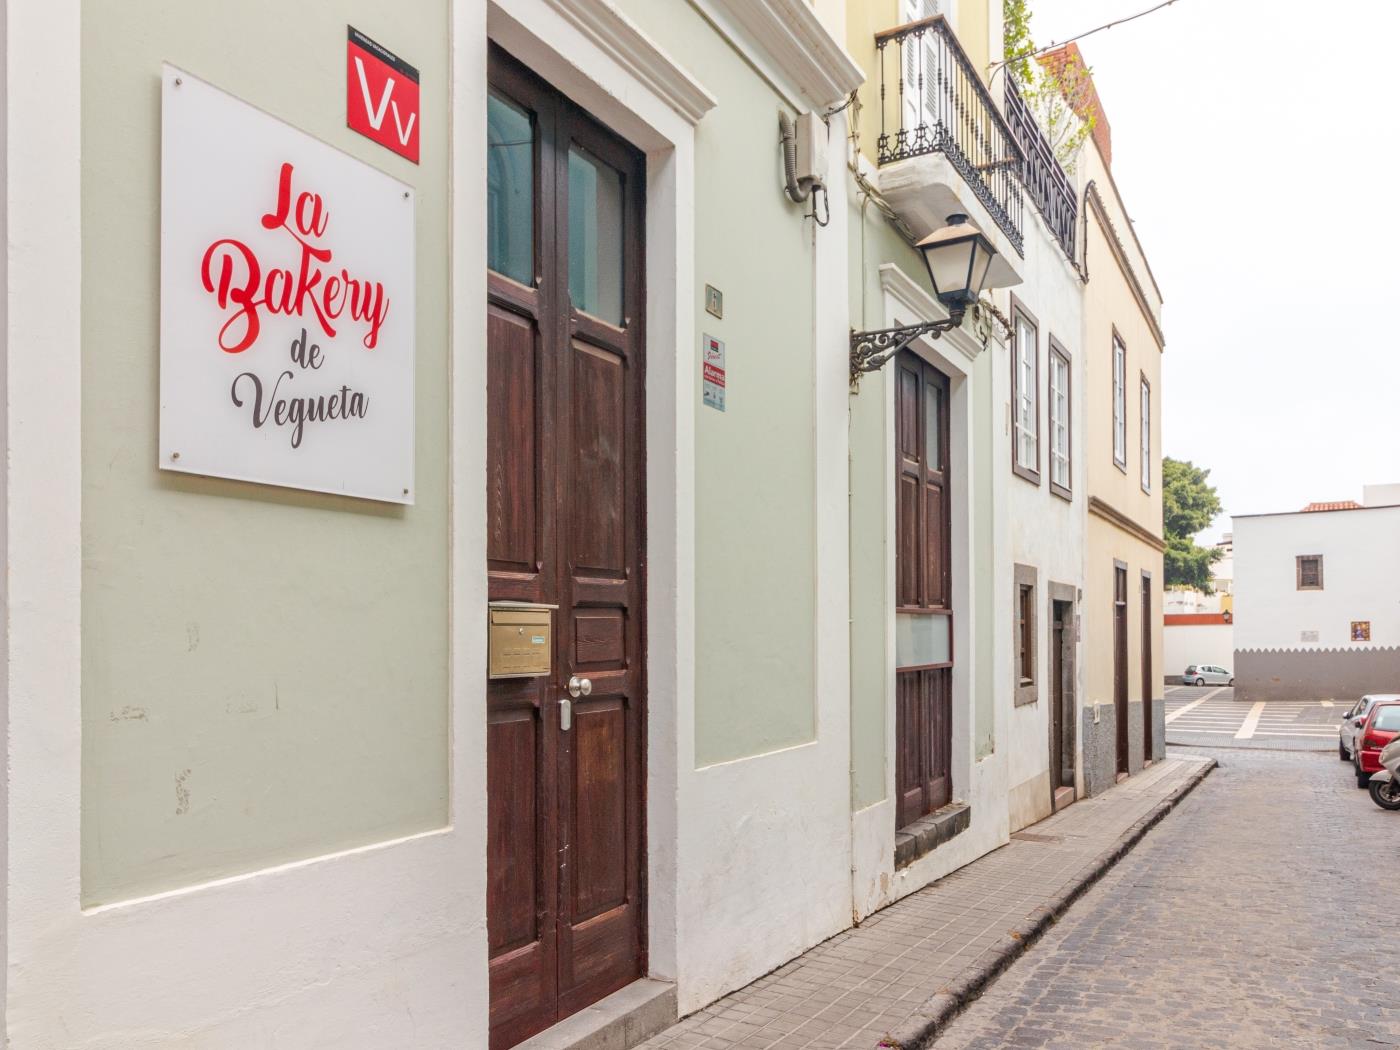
928,1022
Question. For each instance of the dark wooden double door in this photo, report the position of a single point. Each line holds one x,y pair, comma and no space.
566,906
923,599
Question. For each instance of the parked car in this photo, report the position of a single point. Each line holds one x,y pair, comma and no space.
1207,674
1354,719
1382,725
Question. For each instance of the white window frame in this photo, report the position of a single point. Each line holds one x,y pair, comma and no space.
1145,400
1025,404
1120,404
1061,413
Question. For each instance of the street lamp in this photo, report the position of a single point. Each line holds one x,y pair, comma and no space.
957,257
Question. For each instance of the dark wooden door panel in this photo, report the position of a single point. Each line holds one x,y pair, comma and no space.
513,540
923,704
599,475
1120,662
1148,686
566,910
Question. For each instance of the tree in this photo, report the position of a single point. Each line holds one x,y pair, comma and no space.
1054,90
1189,504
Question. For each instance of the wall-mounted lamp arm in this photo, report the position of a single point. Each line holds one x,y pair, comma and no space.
870,350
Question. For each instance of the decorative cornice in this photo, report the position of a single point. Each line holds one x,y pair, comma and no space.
620,38
912,297
1120,255
787,42
1112,514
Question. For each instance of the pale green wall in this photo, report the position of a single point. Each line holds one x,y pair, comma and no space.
873,242
264,671
755,492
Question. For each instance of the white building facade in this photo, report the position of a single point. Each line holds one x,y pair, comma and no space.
1316,613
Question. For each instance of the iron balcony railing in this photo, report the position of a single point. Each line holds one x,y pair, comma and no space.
1041,173
941,106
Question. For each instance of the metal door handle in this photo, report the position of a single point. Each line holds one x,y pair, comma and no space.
579,687
566,713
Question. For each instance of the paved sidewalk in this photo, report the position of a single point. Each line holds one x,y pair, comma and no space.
898,970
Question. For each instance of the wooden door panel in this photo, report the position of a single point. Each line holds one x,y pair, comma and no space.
512,450
940,780
512,812
935,567
598,831
599,432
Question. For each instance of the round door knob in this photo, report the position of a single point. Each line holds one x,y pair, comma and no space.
579,686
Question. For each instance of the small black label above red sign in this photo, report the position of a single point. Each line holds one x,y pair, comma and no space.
381,95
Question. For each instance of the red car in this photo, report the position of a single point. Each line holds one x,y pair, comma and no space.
1382,726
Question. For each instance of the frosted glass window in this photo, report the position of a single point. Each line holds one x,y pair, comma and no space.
595,237
921,639
510,190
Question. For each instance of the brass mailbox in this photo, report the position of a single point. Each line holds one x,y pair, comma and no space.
520,639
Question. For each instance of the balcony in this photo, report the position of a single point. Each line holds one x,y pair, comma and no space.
1041,174
937,104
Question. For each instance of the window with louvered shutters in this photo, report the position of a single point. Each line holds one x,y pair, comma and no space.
925,110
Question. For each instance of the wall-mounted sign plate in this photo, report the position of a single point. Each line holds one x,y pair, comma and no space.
712,374
381,95
714,300
286,303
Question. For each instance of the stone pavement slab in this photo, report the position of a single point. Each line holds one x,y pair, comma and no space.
896,971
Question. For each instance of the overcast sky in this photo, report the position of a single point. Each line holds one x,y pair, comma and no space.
1253,143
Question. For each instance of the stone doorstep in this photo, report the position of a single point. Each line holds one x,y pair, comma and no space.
927,833
624,1019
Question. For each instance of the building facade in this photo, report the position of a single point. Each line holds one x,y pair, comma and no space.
1123,716
449,556
1313,597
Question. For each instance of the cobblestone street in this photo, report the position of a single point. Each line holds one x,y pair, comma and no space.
1260,913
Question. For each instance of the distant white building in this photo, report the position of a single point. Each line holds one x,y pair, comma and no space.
1317,599
1198,628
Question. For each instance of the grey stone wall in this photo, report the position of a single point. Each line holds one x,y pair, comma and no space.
1159,729
1315,674
1135,755
1100,755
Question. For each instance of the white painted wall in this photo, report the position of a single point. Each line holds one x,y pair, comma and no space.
1361,578
1046,531
1208,643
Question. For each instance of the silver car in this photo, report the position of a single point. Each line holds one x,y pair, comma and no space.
1207,674
1354,719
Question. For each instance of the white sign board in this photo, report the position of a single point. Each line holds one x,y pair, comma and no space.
286,304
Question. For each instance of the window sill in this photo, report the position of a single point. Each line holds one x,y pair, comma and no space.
1026,474
1025,694
926,834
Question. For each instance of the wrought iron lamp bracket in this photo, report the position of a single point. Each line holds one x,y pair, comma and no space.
871,350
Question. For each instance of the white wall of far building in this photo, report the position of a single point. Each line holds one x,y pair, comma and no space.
1206,643
1360,577
1381,495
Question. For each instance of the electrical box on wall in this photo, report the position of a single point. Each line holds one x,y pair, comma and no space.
811,147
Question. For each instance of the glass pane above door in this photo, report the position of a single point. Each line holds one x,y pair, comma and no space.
510,190
595,237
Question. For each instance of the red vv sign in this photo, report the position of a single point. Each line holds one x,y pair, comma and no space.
381,95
